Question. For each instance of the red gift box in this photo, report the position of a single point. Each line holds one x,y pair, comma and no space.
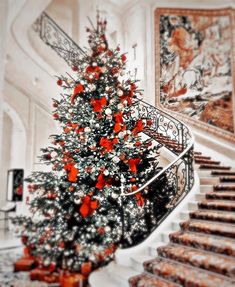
24,264
72,280
45,275
38,274
86,268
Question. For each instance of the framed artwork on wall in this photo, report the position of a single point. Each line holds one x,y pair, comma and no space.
15,182
195,67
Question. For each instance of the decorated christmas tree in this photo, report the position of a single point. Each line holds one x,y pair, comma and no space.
79,214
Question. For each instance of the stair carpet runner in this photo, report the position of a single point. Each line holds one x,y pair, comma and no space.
202,252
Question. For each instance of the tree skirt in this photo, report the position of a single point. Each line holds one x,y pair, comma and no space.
7,276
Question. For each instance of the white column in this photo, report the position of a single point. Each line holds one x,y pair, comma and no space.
3,27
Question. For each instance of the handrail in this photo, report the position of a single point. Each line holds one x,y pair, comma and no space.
175,180
180,156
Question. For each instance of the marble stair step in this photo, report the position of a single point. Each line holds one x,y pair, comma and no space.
218,244
214,166
227,178
209,227
120,273
207,161
150,280
152,248
137,260
230,195
186,275
96,279
226,205
210,261
206,188
209,180
203,172
218,173
221,187
213,215
184,215
193,205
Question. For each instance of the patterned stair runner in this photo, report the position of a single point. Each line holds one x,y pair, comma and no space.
206,161
197,157
222,187
227,179
214,166
202,252
218,173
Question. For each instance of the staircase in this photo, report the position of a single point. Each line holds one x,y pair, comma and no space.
199,247
202,251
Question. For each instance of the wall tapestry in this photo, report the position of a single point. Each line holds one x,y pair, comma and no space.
194,58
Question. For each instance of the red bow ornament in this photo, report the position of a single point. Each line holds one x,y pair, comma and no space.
93,72
79,88
140,199
139,126
102,181
88,206
132,164
119,121
106,144
98,104
72,172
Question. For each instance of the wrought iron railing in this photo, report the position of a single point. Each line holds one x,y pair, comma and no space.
168,186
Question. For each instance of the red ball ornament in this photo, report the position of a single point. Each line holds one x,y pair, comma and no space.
74,68
123,58
55,104
114,70
110,53
59,82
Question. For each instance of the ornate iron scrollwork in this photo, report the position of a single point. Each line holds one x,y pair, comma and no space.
52,35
